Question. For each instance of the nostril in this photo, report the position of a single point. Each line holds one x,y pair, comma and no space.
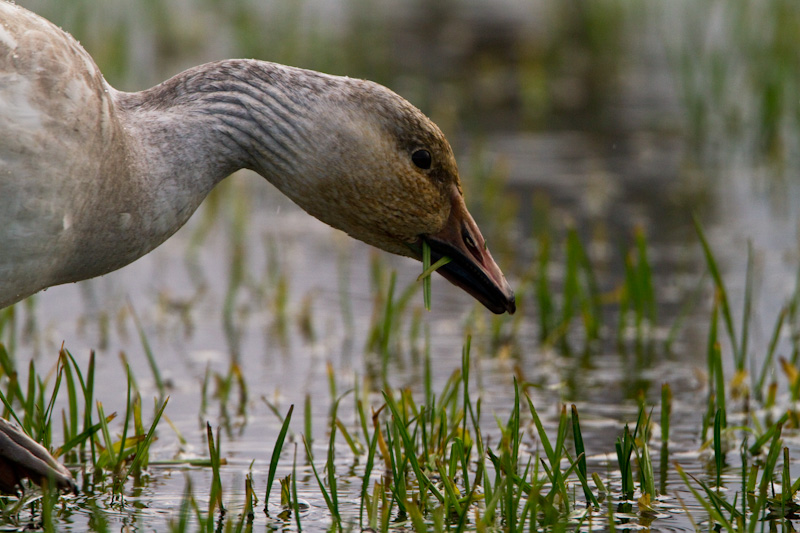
471,245
470,242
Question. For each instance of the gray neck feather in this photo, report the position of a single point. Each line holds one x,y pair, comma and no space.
195,129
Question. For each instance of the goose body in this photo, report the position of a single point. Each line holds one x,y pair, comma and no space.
92,178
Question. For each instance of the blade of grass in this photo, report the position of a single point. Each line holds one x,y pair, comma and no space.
581,460
148,352
710,504
427,270
332,507
144,446
722,293
295,502
216,483
747,307
106,433
373,445
766,366
422,479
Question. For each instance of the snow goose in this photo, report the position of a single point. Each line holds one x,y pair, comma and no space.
92,178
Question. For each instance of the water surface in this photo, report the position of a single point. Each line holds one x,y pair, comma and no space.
569,117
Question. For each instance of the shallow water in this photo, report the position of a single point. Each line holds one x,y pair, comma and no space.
605,164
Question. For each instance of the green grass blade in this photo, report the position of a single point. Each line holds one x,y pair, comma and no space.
373,445
766,366
82,436
10,410
544,298
333,508
143,447
747,308
106,433
755,449
645,275
722,294
408,443
124,437
719,455
710,504
427,270
215,500
295,502
581,453
276,455
545,440
426,273
450,489
148,352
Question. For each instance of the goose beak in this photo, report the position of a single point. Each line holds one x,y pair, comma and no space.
471,267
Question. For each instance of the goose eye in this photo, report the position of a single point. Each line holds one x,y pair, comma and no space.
422,158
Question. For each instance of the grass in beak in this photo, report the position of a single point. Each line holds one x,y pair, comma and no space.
427,270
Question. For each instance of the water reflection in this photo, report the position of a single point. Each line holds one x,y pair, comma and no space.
563,115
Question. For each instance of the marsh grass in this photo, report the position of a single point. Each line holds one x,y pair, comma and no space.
579,295
571,307
756,501
431,457
430,461
388,318
753,50
637,299
276,454
90,445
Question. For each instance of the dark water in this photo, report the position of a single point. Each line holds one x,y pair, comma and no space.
560,113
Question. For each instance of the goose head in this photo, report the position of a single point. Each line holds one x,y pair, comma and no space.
377,168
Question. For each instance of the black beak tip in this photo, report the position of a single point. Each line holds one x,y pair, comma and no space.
511,304
462,273
504,304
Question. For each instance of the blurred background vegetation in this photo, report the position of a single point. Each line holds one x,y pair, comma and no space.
506,64
702,84
503,64
609,116
605,120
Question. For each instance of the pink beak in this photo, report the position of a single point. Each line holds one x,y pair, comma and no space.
472,267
